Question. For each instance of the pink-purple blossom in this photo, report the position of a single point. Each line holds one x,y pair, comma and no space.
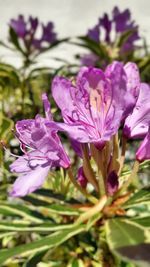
94,105
42,150
143,153
137,123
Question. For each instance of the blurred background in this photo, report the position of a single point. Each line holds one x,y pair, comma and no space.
71,18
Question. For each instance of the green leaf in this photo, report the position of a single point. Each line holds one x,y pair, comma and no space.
76,263
40,245
129,241
139,198
6,126
97,48
21,211
26,227
14,39
33,260
142,221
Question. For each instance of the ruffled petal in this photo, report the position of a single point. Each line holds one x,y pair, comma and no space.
29,182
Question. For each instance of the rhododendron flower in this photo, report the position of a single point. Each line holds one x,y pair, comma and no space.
42,151
108,27
93,106
28,31
143,152
137,123
121,21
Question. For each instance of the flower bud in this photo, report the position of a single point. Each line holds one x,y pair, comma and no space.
82,180
112,183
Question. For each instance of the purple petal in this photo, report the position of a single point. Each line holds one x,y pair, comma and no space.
20,165
133,79
29,182
106,23
19,26
88,59
47,107
121,19
76,147
94,33
61,91
136,124
143,152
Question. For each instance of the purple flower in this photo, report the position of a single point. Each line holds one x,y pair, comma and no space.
121,23
82,180
19,26
42,151
33,23
48,33
121,19
136,124
94,33
106,23
143,152
112,183
89,60
92,108
29,31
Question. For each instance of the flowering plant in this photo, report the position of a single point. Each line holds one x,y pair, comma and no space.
111,38
77,193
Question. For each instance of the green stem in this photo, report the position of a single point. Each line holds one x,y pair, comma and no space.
92,211
130,178
82,190
123,152
88,169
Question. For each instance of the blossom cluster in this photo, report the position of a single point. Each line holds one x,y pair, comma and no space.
34,34
108,30
94,106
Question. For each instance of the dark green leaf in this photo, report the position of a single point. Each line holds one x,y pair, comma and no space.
139,198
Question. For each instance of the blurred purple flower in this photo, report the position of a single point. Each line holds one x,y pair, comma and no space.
19,26
92,108
42,151
143,152
28,31
82,180
136,124
121,23
106,23
48,33
121,19
94,33
89,60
